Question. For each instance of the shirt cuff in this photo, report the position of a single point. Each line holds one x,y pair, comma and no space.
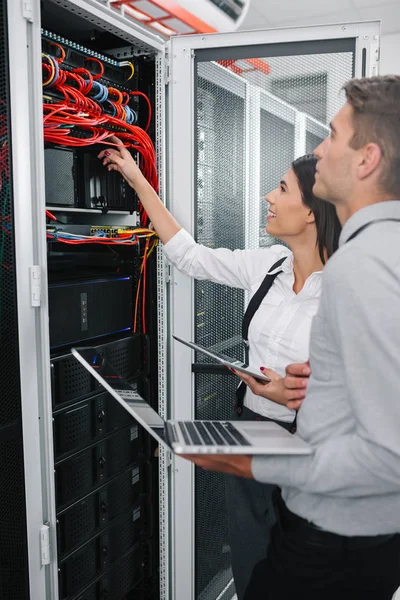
178,245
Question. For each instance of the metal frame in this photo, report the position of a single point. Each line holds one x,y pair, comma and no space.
315,127
30,248
181,96
252,169
279,107
112,21
300,134
366,35
164,456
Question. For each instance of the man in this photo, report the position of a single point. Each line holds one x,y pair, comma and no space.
339,513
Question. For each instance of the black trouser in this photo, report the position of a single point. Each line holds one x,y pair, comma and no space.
250,518
301,563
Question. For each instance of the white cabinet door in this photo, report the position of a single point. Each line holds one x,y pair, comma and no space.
241,107
28,209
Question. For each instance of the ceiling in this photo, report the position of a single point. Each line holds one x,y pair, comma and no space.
282,13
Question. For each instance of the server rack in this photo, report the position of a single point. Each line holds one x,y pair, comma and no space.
95,484
105,468
90,528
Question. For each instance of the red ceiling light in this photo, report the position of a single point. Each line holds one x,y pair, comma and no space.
164,15
168,17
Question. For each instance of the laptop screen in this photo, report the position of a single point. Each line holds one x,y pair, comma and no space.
126,393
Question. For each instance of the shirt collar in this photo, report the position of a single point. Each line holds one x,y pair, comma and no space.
287,266
369,214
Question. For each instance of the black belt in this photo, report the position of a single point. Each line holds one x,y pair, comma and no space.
314,536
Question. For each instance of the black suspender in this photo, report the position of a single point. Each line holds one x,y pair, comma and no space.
254,304
252,308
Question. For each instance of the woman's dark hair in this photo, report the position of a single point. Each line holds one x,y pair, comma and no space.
326,221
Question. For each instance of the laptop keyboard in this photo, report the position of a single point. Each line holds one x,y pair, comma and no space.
211,433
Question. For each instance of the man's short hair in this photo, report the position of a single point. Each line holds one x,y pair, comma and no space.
376,118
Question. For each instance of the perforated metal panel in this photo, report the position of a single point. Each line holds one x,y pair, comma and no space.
128,571
74,428
60,172
94,513
90,468
310,83
221,190
277,131
78,570
71,381
10,406
97,556
78,524
117,582
13,544
253,119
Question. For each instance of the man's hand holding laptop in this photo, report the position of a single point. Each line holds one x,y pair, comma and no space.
291,390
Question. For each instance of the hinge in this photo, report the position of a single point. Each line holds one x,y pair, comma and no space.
45,544
35,275
167,70
167,272
27,10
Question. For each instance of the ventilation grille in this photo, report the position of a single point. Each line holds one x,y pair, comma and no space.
78,475
71,381
89,421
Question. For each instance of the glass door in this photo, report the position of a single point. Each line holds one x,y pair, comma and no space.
242,106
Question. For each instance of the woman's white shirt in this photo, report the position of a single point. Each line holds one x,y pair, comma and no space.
279,332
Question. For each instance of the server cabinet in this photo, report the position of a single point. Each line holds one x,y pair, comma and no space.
240,108
87,487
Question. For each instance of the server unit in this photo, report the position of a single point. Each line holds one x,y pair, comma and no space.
93,510
101,290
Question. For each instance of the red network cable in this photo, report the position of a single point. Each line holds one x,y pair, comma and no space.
80,112
82,118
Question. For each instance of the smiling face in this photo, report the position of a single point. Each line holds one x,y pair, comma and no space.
288,216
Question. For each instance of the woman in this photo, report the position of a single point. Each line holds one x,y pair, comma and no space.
279,330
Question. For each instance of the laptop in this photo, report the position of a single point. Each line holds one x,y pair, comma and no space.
225,360
191,437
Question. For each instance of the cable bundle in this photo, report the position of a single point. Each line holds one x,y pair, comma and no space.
90,112
127,238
